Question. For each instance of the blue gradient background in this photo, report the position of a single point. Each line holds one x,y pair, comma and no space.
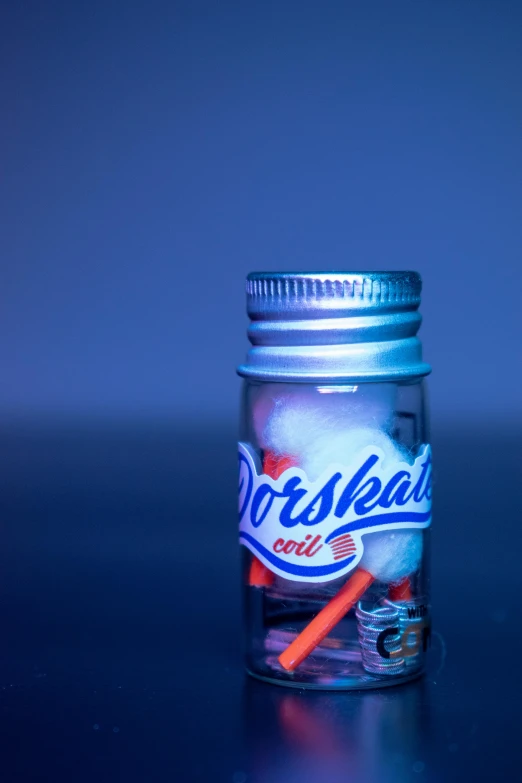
154,153
151,154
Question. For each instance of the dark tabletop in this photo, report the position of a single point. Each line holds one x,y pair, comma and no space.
120,621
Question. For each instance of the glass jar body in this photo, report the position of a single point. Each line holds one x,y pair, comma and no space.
335,500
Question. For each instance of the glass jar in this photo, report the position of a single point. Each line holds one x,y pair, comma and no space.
335,480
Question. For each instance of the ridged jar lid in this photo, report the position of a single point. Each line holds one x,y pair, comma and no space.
313,293
334,326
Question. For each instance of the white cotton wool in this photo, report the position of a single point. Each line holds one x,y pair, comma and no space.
295,426
287,421
390,557
343,447
262,407
319,433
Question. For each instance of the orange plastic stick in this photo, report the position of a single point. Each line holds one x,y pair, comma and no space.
327,619
401,591
260,575
273,466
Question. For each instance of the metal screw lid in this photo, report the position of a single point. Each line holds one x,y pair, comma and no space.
334,326
312,293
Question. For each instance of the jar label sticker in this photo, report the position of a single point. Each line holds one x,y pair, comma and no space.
317,531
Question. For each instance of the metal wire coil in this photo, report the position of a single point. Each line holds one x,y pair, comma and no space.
370,626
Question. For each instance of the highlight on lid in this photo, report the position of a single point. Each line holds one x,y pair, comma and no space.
335,480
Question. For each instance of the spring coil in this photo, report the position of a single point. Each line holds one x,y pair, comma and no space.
370,624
